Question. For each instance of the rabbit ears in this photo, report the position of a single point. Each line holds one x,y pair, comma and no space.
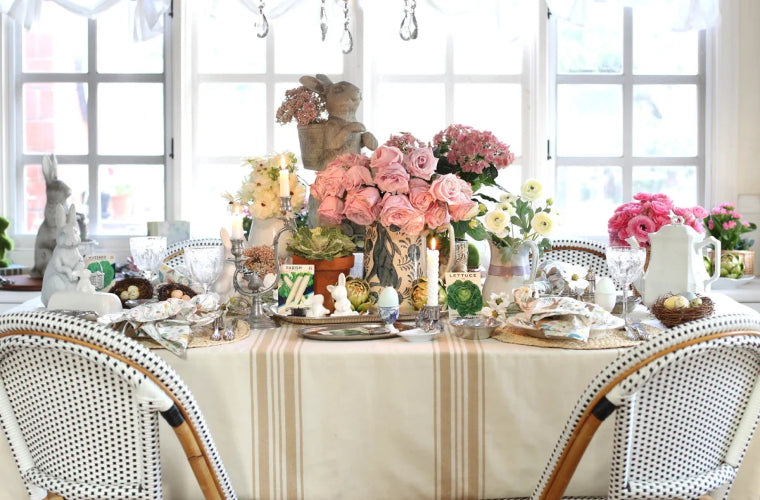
341,283
50,168
320,84
62,218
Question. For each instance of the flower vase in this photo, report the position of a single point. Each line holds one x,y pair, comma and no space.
393,258
510,268
312,138
263,232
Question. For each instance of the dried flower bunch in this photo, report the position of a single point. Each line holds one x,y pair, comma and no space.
303,105
647,215
260,259
726,225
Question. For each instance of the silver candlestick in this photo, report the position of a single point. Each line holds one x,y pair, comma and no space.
255,288
429,319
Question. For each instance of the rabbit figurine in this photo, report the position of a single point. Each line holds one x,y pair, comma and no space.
223,285
57,192
316,308
66,262
340,298
342,133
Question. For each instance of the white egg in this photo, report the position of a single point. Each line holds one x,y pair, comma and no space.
388,297
605,285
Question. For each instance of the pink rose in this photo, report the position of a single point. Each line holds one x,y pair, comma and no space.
446,188
420,195
437,215
415,224
392,178
396,210
420,162
356,176
331,209
386,155
362,205
329,182
461,210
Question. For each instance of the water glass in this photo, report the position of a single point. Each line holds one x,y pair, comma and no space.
626,265
146,252
205,263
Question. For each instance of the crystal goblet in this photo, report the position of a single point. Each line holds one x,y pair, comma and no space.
205,264
626,265
146,253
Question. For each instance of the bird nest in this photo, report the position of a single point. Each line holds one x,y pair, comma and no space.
674,317
165,291
143,286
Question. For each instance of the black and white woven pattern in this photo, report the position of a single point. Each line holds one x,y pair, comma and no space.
685,419
174,255
587,253
80,422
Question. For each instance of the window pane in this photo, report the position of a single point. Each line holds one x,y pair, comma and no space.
680,183
589,120
586,198
131,118
130,196
226,42
231,119
57,43
657,50
485,106
55,118
487,27
210,181
299,46
665,120
409,101
35,196
117,50
596,47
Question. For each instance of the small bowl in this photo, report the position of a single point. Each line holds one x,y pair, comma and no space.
419,335
475,328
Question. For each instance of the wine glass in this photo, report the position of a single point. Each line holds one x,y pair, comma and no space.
146,253
205,264
626,264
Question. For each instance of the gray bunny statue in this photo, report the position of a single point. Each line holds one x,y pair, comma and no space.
62,272
57,192
342,133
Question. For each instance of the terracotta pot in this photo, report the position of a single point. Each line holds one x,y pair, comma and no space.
326,272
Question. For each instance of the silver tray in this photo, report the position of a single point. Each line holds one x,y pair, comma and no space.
341,332
340,320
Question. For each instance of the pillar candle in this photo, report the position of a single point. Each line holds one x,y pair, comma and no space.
236,223
284,183
432,275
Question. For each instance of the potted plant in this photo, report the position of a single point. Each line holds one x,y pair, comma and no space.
329,251
726,225
308,108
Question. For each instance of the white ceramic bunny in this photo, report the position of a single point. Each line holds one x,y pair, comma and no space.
340,298
342,133
223,285
315,303
56,192
66,262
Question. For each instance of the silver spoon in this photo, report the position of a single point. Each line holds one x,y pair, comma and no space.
229,332
217,335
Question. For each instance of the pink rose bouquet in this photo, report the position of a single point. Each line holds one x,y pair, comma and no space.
647,215
395,187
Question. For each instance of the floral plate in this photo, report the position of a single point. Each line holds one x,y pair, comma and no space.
523,324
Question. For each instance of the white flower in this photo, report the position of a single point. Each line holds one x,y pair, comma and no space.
497,306
508,198
542,223
496,221
575,277
265,205
506,207
532,189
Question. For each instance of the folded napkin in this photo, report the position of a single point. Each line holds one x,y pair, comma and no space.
559,317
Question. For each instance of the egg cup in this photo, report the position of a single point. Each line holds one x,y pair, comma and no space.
389,315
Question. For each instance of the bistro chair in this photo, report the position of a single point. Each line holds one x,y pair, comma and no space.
686,404
79,406
174,255
587,253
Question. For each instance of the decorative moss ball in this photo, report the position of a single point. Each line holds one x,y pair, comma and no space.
473,256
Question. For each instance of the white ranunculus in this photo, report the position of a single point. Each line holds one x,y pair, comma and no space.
496,221
532,189
542,223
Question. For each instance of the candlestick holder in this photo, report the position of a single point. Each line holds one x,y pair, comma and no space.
429,319
255,289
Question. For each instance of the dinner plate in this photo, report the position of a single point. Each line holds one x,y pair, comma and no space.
521,323
341,332
731,283
339,320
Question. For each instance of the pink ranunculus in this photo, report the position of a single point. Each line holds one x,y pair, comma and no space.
396,210
642,197
329,182
657,207
420,162
386,155
420,195
446,188
362,205
640,226
437,215
392,178
699,212
357,176
331,209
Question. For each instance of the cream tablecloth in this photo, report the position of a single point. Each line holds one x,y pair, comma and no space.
299,418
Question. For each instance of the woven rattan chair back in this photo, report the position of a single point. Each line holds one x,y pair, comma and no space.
174,255
587,253
686,404
79,405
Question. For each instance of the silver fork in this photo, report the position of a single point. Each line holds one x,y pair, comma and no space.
219,321
229,331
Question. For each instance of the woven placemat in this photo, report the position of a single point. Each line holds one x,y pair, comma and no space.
611,339
198,338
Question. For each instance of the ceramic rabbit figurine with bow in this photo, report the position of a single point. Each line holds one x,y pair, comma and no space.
342,133
62,272
56,192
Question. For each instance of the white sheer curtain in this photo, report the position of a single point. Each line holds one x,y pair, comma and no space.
148,20
680,15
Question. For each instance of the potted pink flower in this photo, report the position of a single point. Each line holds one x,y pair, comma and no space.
309,110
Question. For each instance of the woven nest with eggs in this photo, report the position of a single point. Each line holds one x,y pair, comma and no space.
673,310
176,291
132,289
